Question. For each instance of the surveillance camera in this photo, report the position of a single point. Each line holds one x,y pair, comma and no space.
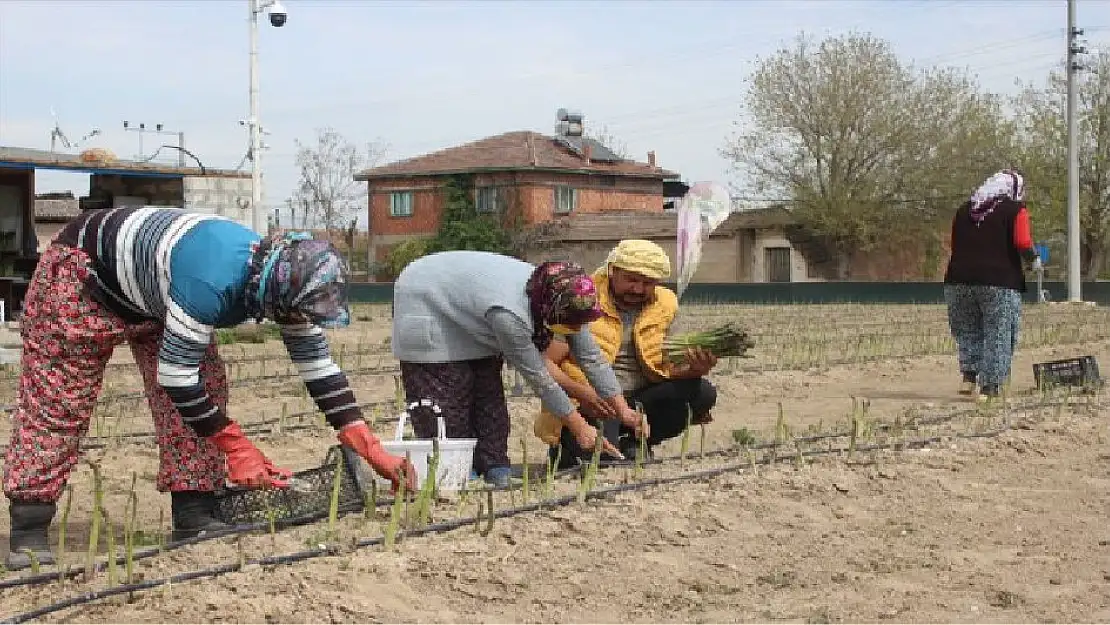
278,15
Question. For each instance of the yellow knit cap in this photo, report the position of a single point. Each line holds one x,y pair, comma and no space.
642,257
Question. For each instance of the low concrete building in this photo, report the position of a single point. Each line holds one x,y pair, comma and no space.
749,246
222,192
763,245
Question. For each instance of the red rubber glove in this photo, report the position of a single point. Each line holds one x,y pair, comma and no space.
357,436
246,466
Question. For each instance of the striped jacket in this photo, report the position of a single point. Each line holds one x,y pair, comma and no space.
189,271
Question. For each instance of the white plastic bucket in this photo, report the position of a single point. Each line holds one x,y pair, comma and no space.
455,455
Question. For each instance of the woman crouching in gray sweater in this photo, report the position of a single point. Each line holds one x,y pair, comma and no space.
459,315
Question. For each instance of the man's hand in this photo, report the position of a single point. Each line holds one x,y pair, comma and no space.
637,421
357,436
699,362
246,465
586,436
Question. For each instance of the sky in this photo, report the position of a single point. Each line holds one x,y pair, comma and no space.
416,77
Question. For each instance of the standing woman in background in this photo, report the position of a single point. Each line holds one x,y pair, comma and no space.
983,285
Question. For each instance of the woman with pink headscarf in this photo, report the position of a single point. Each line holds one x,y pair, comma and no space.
459,316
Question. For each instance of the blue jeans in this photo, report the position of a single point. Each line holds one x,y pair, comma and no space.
985,321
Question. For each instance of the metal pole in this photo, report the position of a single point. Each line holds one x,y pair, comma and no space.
256,135
181,150
1074,277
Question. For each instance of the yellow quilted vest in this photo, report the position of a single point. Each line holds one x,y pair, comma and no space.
650,330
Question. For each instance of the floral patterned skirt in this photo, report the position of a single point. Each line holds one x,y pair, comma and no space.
68,339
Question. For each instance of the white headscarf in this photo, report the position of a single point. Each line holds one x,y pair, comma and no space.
1004,184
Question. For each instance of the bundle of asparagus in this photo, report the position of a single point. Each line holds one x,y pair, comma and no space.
726,341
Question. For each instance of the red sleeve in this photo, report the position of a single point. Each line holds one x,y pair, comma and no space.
1023,232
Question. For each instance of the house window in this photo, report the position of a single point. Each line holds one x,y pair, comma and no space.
566,200
400,204
486,200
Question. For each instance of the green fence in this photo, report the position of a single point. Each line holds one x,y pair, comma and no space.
805,292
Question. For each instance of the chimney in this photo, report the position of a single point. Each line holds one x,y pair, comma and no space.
589,153
651,158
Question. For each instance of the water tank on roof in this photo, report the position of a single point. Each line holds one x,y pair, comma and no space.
569,115
568,129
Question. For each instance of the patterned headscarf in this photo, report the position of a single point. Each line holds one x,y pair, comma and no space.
560,293
293,275
1006,184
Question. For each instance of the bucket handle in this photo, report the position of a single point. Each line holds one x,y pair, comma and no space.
441,426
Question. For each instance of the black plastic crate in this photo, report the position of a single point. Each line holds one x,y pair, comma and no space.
240,506
1080,371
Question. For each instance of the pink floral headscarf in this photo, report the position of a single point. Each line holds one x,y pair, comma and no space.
560,293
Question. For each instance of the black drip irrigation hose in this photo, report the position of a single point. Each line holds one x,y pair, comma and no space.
43,578
144,554
37,579
453,524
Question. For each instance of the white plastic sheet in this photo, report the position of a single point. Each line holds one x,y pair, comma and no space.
704,207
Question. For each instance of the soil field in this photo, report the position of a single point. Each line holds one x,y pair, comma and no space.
935,510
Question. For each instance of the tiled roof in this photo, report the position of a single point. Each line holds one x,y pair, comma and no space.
511,151
56,210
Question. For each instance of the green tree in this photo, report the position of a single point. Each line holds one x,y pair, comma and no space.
1042,120
462,227
403,254
865,148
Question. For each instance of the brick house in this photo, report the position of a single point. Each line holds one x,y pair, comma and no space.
528,177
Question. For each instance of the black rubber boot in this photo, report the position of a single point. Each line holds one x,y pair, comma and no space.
30,533
193,514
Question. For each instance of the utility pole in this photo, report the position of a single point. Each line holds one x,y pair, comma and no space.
253,122
278,17
1073,67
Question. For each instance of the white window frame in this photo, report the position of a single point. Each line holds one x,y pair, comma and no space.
565,199
487,199
400,204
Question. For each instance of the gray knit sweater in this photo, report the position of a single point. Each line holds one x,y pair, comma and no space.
464,305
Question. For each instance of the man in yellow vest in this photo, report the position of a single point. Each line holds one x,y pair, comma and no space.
638,313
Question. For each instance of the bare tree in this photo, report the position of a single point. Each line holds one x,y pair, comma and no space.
610,141
326,191
863,146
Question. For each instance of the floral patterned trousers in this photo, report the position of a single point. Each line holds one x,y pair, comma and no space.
68,339
472,397
986,323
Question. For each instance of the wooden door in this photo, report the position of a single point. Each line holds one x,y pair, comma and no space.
776,264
